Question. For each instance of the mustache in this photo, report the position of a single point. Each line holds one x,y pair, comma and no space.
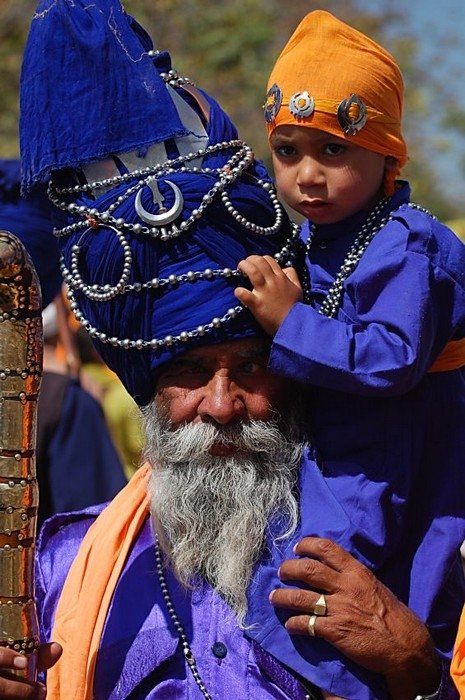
193,440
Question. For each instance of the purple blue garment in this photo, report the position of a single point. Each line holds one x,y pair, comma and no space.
140,654
30,219
389,438
77,462
93,58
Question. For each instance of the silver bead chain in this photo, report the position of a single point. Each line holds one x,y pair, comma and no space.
186,649
236,166
106,292
370,228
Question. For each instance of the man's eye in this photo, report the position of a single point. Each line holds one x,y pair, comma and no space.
251,367
193,370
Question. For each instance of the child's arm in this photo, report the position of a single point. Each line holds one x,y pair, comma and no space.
275,291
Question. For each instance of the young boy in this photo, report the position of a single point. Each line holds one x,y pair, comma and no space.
378,330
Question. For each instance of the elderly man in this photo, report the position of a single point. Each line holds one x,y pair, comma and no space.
232,563
225,455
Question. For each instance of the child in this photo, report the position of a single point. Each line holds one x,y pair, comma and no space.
378,332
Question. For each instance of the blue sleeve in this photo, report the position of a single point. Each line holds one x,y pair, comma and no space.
401,306
84,466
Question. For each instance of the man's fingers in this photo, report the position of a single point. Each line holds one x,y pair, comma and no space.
48,655
309,571
11,659
298,599
327,552
299,624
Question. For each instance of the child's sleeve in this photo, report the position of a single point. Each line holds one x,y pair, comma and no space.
400,308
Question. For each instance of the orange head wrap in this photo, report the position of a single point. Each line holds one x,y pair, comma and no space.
332,77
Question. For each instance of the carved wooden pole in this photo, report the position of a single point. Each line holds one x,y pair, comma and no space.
20,373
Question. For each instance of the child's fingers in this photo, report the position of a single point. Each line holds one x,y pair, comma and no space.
258,269
292,275
245,296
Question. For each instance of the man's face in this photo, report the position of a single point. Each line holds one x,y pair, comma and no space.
223,384
225,446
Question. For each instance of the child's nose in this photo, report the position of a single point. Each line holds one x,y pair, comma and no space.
310,172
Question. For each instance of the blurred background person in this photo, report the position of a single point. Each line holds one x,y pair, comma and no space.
77,462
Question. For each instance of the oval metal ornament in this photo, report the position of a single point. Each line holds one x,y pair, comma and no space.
350,123
165,216
274,98
301,104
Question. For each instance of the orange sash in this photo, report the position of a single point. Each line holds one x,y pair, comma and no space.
452,357
89,587
457,668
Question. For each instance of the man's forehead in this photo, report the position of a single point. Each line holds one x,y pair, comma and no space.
244,347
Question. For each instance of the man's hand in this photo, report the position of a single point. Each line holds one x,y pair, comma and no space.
275,291
364,620
13,686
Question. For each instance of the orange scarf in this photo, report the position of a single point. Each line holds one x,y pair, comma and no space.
457,668
89,587
451,357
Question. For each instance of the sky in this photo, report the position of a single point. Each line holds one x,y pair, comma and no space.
439,27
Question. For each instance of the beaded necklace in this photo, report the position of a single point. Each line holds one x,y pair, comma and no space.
186,650
372,225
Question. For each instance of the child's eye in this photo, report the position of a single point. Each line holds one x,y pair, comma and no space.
334,149
285,151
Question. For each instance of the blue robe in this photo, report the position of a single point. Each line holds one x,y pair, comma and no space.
140,654
388,437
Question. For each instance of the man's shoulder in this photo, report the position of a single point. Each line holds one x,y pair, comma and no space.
64,529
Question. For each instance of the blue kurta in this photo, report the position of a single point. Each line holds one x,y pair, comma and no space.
388,437
140,654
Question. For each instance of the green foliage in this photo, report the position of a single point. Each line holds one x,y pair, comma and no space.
228,48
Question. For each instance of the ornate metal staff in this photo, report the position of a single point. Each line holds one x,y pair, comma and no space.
20,373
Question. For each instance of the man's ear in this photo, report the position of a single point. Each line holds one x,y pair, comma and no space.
390,163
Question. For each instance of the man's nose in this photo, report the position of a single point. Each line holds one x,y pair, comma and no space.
221,402
310,172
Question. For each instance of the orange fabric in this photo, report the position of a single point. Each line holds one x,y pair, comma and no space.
452,357
457,668
331,61
89,587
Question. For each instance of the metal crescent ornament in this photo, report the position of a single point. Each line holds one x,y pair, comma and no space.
166,216
351,124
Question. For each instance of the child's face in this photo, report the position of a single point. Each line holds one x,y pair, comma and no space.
324,178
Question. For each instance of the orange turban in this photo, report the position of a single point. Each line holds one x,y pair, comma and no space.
327,62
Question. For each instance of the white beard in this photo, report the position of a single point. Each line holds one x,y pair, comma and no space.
211,513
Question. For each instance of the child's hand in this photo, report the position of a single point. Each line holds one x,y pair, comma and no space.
275,291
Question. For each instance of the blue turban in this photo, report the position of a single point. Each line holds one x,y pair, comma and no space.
145,291
30,219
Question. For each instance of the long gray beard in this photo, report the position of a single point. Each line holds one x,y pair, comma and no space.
212,513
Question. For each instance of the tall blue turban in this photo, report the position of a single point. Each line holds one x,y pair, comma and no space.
30,219
158,199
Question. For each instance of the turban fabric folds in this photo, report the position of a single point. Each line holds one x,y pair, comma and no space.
145,291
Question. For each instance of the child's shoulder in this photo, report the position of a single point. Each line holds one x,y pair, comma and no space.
425,234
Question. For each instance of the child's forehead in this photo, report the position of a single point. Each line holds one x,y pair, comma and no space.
293,132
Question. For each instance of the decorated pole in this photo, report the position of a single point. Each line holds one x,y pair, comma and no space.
20,374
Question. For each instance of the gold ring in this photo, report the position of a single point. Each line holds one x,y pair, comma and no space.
320,606
311,625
